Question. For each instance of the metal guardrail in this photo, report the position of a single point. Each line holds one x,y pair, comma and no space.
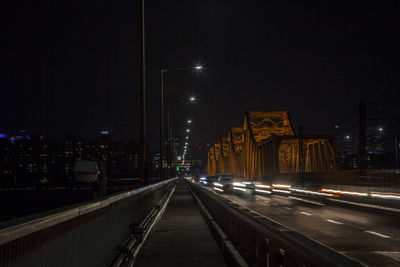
263,242
127,254
231,255
87,235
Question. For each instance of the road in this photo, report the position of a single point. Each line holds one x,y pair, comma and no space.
369,236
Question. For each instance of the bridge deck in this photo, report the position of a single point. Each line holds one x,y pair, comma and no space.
181,237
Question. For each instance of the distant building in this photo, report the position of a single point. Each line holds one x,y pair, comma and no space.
347,153
27,159
375,148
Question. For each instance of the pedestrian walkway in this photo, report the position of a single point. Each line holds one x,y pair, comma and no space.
181,237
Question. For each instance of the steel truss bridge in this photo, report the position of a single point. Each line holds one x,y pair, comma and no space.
266,145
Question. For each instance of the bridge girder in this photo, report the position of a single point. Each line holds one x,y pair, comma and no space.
266,145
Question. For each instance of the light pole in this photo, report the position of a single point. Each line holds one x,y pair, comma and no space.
169,133
161,174
162,71
189,122
396,149
143,126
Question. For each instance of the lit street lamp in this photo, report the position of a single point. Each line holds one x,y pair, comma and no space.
169,134
162,71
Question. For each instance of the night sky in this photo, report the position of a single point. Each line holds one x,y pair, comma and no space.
73,66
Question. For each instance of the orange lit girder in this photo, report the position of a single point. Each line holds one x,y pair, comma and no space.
263,124
265,146
319,155
235,138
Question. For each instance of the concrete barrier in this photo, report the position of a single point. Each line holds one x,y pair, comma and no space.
86,235
263,242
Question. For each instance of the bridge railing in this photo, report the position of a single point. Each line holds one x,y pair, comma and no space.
86,235
263,242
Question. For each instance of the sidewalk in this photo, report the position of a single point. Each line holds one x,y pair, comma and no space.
181,237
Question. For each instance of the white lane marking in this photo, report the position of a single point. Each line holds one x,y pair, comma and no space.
377,234
336,222
275,204
305,213
287,208
306,200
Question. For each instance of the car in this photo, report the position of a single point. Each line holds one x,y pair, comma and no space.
196,179
226,183
208,180
222,184
257,187
310,191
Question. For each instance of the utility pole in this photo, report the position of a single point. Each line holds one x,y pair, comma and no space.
161,125
301,152
143,132
169,144
396,150
362,139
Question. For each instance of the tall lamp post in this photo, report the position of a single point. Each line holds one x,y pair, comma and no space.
169,134
162,71
186,141
143,126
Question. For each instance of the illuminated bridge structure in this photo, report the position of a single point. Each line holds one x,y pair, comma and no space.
267,145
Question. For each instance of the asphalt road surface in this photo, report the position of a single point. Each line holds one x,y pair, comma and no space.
369,236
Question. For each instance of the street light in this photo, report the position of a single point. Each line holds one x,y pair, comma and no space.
162,71
170,137
189,121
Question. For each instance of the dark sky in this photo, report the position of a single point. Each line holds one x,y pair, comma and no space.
73,66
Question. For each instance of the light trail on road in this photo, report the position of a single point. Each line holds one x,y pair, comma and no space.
361,234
